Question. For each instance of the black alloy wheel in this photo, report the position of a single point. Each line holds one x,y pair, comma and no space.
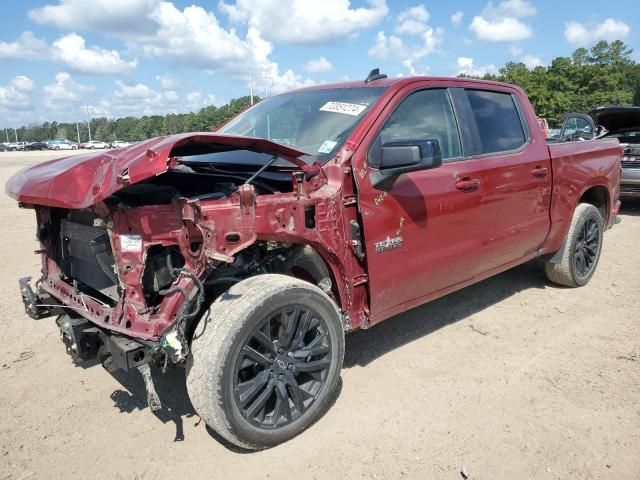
282,367
587,248
265,361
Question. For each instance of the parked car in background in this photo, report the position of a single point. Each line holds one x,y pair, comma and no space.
37,146
120,144
622,123
93,144
4,147
15,146
62,145
246,260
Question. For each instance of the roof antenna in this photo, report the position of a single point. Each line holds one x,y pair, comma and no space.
374,75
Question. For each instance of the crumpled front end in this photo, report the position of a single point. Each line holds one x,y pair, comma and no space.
134,270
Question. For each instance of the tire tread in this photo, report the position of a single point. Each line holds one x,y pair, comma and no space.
562,273
209,351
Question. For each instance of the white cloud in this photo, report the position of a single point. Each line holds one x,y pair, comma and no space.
138,91
194,37
531,61
412,21
503,30
583,35
135,99
197,99
501,23
466,66
167,82
305,22
23,84
15,97
277,82
457,17
515,50
170,95
65,90
384,45
27,46
392,46
509,8
318,65
72,51
107,16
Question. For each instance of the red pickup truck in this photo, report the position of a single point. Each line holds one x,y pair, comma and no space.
246,254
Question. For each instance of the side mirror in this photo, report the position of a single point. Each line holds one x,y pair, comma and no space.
394,158
577,126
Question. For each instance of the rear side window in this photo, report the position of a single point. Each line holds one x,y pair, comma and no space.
425,114
498,121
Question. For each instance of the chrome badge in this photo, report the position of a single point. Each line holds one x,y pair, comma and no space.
388,244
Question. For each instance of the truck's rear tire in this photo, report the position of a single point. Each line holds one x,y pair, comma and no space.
581,251
266,361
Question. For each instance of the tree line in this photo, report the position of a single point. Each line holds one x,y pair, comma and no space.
133,128
605,74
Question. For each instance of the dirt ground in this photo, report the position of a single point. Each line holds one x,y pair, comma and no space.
510,378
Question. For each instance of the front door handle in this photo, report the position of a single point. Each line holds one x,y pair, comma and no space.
468,184
540,172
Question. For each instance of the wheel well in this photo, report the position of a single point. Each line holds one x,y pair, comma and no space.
306,260
597,196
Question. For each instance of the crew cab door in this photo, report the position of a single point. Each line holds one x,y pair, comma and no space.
516,175
420,234
484,208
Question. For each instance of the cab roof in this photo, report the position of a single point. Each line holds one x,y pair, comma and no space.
399,82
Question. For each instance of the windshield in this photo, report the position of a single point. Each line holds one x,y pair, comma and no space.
315,122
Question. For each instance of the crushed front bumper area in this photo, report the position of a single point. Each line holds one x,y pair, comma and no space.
82,338
85,341
36,305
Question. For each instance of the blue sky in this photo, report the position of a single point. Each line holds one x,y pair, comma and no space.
138,57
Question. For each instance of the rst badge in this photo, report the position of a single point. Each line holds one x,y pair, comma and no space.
388,244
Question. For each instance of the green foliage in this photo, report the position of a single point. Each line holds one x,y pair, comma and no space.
132,128
603,75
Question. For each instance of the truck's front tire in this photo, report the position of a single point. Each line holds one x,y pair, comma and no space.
266,361
581,251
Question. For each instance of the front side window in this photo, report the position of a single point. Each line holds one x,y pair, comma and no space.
426,114
498,121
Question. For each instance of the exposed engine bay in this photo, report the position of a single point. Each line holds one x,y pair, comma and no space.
132,272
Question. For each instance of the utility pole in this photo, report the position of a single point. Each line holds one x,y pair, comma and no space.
251,84
16,133
262,74
77,126
266,85
89,122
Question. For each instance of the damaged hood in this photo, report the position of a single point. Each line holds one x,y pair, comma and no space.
84,180
617,119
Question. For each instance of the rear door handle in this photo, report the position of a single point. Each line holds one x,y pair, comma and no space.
468,184
540,172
